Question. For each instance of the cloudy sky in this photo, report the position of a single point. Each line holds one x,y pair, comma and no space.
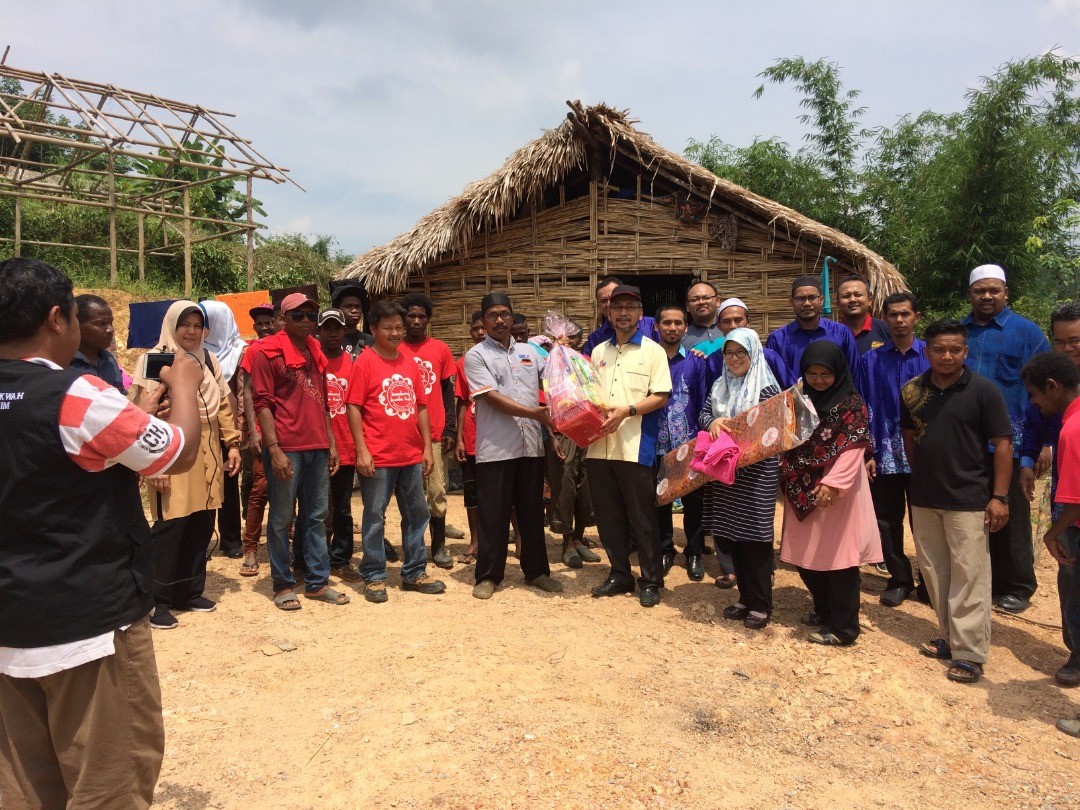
384,110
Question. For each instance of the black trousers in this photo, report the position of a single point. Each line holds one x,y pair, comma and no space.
754,565
179,558
836,599
228,516
468,481
501,486
624,502
1012,559
693,516
340,534
889,493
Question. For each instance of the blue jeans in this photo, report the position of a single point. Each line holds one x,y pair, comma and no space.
1069,593
408,484
309,486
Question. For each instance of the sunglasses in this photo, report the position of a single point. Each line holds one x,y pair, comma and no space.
299,315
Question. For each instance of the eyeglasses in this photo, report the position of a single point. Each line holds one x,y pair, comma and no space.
499,316
805,299
701,299
827,377
1072,343
625,307
300,315
738,354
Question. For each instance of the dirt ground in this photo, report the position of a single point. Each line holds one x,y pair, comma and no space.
534,700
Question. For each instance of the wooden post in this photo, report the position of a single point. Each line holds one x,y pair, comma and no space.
250,241
112,222
18,223
142,248
187,242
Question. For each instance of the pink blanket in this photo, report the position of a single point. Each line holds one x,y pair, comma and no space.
716,458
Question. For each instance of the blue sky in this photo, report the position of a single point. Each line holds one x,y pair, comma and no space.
384,110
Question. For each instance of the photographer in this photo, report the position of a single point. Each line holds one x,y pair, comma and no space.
80,705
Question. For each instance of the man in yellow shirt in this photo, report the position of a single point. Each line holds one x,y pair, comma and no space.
636,384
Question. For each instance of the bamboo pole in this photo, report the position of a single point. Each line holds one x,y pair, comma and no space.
142,248
187,243
18,227
112,222
250,240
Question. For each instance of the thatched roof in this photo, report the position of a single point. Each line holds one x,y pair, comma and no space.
606,133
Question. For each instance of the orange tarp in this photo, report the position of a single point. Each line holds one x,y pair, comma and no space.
240,303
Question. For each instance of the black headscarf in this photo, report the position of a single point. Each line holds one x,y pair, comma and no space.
844,424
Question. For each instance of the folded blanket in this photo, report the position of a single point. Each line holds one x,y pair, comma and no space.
716,458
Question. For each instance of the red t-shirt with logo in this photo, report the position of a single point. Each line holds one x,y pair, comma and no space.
389,394
338,373
435,362
468,416
1067,457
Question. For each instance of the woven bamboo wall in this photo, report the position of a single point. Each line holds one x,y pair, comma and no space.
551,259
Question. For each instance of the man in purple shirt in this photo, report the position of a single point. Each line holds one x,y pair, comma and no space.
606,331
791,341
881,374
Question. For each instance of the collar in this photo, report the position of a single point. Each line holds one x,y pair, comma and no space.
998,320
965,378
796,327
494,344
281,345
867,325
634,338
1072,411
680,355
916,347
41,361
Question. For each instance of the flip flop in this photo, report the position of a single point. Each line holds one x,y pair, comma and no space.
286,600
328,595
465,559
249,570
725,582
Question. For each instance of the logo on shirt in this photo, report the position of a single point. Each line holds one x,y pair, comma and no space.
427,374
154,438
398,397
336,388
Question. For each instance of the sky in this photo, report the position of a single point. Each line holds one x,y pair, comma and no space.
383,111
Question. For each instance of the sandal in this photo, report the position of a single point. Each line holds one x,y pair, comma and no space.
725,582
286,600
938,648
964,671
465,559
827,638
249,569
328,595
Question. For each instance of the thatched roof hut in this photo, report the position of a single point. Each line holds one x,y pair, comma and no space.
595,196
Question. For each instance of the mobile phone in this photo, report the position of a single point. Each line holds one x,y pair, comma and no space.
154,362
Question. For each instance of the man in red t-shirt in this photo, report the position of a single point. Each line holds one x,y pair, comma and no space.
435,362
388,417
466,440
289,396
1053,383
339,365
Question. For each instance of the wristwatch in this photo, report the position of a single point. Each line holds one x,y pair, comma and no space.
1003,498
633,410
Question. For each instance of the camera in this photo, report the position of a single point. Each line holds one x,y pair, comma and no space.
154,362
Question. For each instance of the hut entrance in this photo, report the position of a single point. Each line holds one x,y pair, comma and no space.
657,290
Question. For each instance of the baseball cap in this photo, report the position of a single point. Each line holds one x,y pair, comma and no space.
331,314
626,289
261,309
295,301
349,288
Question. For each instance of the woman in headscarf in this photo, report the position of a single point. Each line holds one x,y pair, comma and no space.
829,524
182,506
742,514
224,342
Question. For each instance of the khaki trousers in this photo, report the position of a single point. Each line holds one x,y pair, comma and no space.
88,737
435,484
953,549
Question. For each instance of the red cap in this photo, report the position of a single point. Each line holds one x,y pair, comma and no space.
295,301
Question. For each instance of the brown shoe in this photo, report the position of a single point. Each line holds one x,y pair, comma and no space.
346,572
424,584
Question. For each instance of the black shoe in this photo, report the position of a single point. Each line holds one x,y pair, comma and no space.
755,622
813,620
894,597
234,553
1012,604
921,594
391,554
162,619
612,587
694,569
650,596
1069,674
735,612
667,559
200,604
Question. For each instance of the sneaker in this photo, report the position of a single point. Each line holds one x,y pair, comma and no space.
545,584
881,568
454,533
162,619
1069,726
346,572
200,604
376,592
483,589
424,584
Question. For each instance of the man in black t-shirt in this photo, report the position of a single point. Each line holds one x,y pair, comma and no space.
948,415
350,299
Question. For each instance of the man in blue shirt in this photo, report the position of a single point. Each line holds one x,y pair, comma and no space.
791,341
856,303
678,424
1000,342
95,337
702,332
881,374
606,331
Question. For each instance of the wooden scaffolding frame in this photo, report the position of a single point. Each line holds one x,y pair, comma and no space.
153,135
